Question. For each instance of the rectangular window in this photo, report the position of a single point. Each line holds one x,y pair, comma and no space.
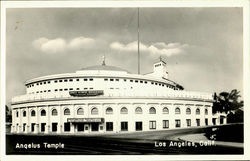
91,88
141,81
65,80
85,79
206,122
131,80
54,127
24,125
165,124
61,89
138,126
77,79
136,81
124,126
111,79
90,79
71,89
33,127
156,83
56,90
48,90
66,126
71,80
198,122
43,127
41,83
60,80
65,89
125,80
177,123
44,82
116,79
105,79
152,124
145,82
214,121
37,84
188,122
152,82
77,88
109,126
85,88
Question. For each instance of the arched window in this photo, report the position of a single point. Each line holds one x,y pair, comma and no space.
152,110
33,113
66,111
43,113
80,111
124,110
17,114
138,110
197,111
24,113
188,111
165,110
109,111
206,112
54,112
94,111
177,110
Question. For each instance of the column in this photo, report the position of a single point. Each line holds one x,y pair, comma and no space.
28,122
72,128
36,130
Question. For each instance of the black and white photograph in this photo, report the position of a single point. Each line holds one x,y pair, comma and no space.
123,80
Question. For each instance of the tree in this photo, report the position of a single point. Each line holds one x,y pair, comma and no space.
226,102
8,116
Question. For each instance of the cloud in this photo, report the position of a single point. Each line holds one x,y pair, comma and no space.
159,48
60,45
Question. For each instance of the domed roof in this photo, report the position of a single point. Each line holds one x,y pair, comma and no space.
104,67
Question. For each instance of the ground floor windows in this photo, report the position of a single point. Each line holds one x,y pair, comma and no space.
124,126
177,123
152,124
66,126
206,122
43,127
80,127
138,126
54,127
198,122
165,124
188,122
24,125
214,121
95,126
109,126
33,127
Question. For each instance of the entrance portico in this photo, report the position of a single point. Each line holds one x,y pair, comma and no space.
85,125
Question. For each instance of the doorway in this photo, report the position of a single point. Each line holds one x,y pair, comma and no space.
94,126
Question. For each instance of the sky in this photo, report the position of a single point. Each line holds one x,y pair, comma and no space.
203,47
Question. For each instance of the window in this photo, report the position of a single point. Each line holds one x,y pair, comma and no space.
66,126
124,126
43,113
145,82
17,114
116,79
43,127
131,80
54,127
44,82
109,126
60,80
33,113
138,110
90,79
152,110
138,126
54,112
177,110
214,121
71,80
24,113
188,111
188,122
24,125
152,124
111,79
105,79
198,122
197,111
66,111
165,124
55,81
33,127
141,81
94,111
206,112
109,111
206,122
125,80
56,90
85,79
165,110
80,111
65,80
77,79
177,123
124,110
136,81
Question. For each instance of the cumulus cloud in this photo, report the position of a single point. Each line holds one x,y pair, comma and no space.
59,45
159,48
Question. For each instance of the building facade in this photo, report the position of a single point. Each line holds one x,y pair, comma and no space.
107,99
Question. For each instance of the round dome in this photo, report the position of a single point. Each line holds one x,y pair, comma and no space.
104,67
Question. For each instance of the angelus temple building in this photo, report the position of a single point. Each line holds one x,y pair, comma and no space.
108,99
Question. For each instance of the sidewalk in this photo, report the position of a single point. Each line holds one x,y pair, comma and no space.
201,137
